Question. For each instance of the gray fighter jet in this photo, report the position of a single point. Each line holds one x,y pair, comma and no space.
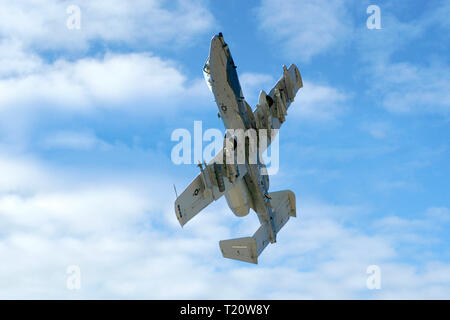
244,184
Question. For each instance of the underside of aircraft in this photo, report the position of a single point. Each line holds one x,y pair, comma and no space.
244,183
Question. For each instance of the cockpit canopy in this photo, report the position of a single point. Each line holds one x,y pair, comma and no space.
207,74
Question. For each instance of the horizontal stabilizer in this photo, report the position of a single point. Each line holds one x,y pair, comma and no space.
243,249
249,248
283,204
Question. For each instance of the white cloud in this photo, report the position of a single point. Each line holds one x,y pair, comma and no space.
441,214
305,29
120,227
422,230
415,89
40,65
318,102
438,15
21,175
41,24
113,81
377,129
124,236
401,86
252,83
15,61
73,140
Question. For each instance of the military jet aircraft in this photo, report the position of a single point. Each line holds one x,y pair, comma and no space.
244,184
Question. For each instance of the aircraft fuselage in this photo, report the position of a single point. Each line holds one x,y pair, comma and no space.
252,191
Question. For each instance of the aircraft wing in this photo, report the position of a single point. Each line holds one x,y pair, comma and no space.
213,181
271,110
222,78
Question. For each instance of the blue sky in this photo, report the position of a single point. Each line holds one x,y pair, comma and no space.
86,177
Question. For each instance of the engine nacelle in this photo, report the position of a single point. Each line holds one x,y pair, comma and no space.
238,199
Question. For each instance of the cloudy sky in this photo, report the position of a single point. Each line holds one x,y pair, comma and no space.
86,176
